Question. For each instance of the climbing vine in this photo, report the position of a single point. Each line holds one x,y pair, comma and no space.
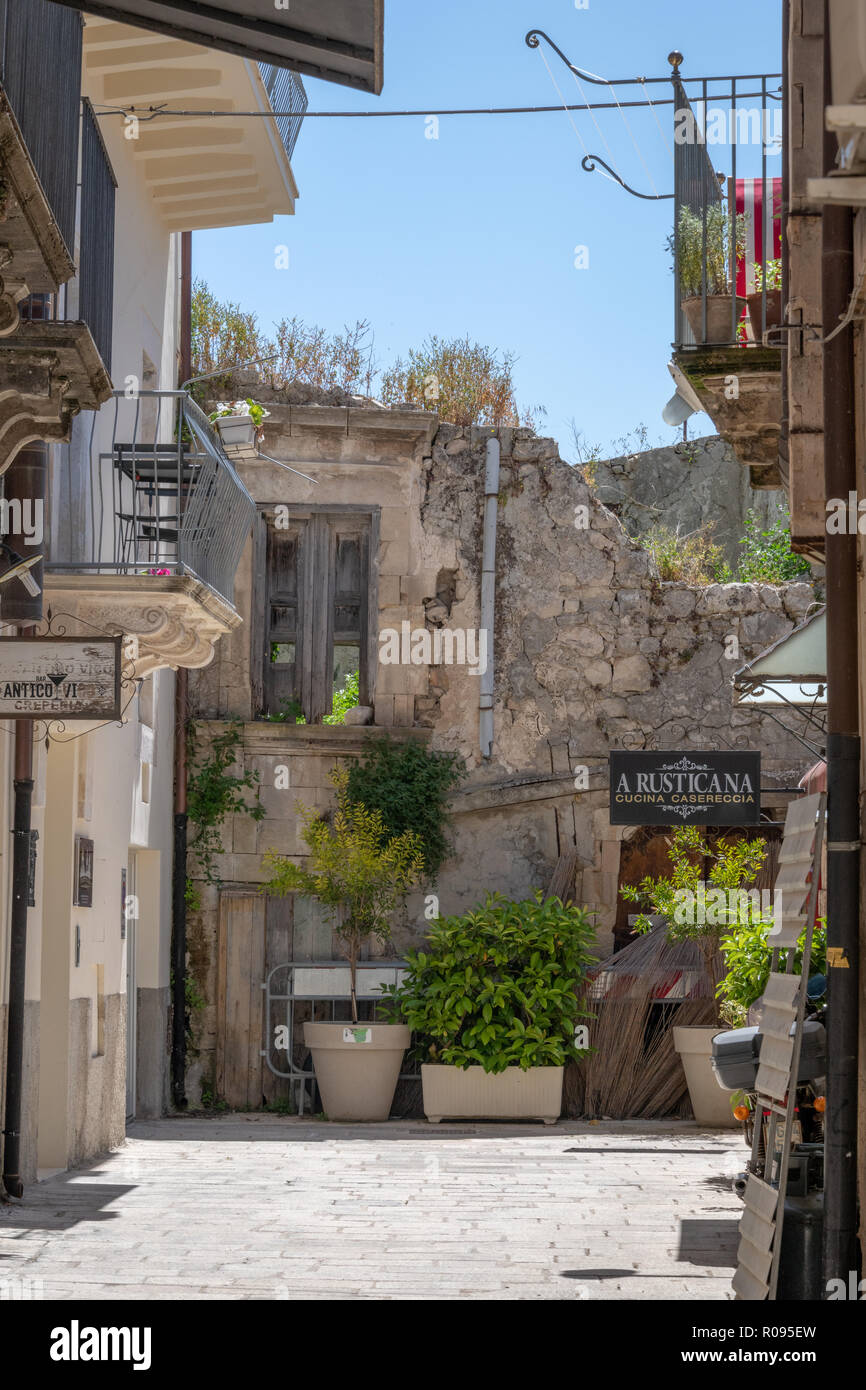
214,792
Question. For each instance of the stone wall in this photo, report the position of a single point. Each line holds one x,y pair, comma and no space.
684,485
591,652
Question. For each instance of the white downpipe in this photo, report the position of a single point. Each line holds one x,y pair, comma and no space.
488,593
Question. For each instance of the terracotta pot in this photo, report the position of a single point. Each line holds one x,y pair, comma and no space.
774,311
711,1105
718,317
357,1066
464,1093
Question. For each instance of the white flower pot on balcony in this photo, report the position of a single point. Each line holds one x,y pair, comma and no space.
238,435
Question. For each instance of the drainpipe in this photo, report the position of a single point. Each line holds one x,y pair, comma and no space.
23,785
181,686
843,742
488,592
785,431
178,899
25,482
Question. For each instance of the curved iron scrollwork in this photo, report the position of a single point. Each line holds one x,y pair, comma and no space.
533,40
589,162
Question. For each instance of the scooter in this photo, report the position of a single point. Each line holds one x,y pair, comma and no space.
735,1061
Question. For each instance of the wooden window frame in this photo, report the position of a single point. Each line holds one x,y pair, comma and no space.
315,603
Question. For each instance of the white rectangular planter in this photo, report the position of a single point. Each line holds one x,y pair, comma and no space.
458,1093
238,435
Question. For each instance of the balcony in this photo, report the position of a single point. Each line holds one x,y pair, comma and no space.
335,40
153,536
38,146
726,246
54,343
206,168
288,98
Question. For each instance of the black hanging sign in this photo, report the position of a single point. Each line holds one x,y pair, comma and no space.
677,788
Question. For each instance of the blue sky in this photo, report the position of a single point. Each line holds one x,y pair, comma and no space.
475,232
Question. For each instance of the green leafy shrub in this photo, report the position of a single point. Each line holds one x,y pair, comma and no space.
747,955
409,785
766,556
344,700
501,986
727,865
773,270
357,870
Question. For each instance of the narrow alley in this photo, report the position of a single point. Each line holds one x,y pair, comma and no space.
270,1207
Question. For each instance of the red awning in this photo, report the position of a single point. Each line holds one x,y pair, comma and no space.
815,780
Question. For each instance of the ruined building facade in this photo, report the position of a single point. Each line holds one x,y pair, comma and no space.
590,651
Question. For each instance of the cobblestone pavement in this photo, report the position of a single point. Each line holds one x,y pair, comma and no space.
268,1207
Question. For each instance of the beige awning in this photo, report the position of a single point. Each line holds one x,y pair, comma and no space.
791,672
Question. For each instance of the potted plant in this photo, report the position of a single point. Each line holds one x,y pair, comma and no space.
747,953
702,909
239,424
724,245
493,1001
769,274
359,873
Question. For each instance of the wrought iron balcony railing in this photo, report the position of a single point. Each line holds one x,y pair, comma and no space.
287,95
727,241
162,500
96,253
40,72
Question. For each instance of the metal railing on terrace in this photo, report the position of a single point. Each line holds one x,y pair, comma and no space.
96,231
727,240
287,96
40,72
164,499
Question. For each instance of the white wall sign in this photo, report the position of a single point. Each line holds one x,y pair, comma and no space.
60,677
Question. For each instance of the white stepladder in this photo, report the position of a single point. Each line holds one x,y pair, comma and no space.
784,998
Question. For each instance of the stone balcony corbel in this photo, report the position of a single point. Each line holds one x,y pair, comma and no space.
740,388
167,620
49,371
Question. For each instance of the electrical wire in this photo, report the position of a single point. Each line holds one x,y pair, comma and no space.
568,113
634,140
155,111
652,105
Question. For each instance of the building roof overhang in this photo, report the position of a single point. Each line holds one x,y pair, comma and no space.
335,40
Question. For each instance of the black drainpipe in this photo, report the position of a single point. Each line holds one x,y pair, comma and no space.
843,739
25,482
178,900
179,866
23,785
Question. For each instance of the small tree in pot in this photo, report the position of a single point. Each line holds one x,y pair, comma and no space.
360,874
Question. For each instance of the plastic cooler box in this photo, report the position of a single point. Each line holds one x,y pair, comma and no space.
736,1054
